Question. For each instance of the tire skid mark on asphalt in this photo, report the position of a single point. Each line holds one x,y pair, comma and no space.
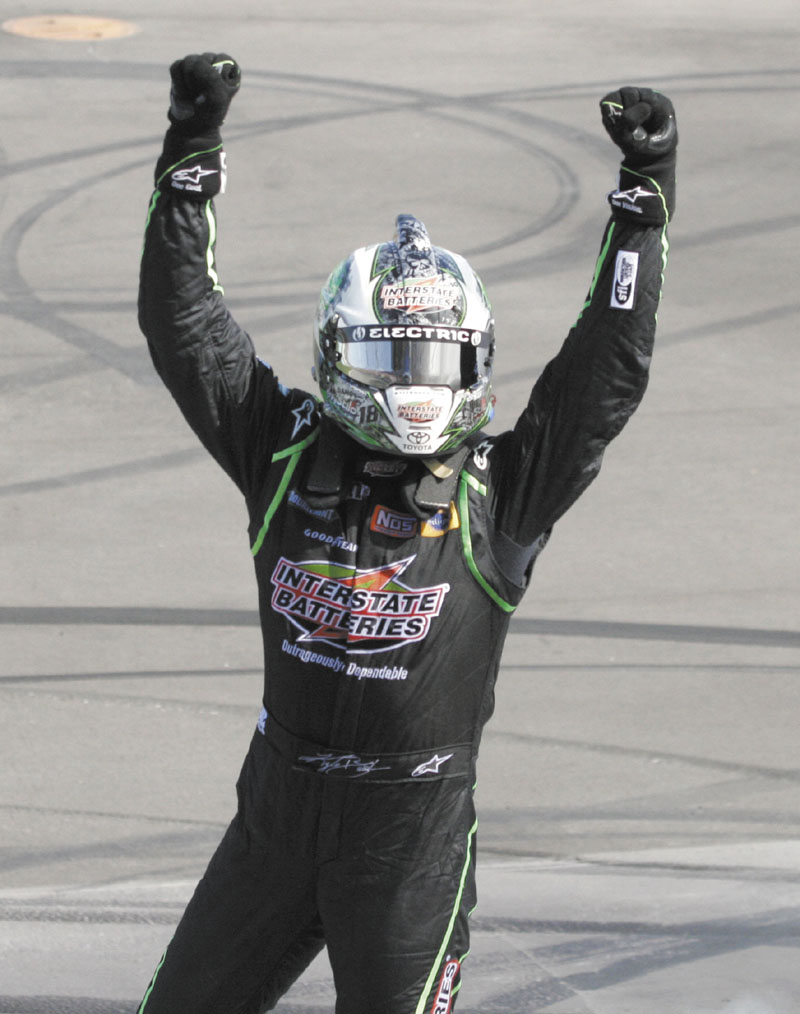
620,951
651,753
60,811
607,629
26,306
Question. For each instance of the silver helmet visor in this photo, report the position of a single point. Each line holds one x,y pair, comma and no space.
381,355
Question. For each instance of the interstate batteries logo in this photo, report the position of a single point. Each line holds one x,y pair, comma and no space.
417,295
363,610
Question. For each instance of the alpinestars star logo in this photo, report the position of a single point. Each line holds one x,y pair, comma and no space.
304,416
430,767
635,193
192,176
627,198
365,611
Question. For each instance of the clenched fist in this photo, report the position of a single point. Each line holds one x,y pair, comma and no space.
202,89
641,122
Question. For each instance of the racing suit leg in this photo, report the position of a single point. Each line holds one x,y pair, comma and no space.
396,899
252,925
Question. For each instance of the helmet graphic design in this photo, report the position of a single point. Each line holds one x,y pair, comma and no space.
404,343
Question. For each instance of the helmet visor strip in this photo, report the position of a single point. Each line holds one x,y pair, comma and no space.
381,355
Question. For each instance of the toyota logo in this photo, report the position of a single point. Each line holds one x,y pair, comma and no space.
419,437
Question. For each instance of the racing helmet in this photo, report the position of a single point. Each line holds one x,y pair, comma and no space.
404,344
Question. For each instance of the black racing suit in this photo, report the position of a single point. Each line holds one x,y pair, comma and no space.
382,635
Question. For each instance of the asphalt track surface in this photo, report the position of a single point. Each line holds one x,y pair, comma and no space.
639,793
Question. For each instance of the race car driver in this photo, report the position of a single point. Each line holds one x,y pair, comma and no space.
392,539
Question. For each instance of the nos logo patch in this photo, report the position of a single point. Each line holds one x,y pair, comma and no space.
388,522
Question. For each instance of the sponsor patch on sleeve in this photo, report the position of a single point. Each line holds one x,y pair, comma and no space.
623,287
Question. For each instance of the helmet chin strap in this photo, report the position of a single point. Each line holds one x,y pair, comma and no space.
439,468
333,458
434,488
423,490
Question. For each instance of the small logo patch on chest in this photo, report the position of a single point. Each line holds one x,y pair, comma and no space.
386,521
443,521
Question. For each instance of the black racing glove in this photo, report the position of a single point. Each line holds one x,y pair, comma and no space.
193,162
641,122
202,89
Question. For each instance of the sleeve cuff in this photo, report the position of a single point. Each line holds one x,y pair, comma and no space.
192,167
645,193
